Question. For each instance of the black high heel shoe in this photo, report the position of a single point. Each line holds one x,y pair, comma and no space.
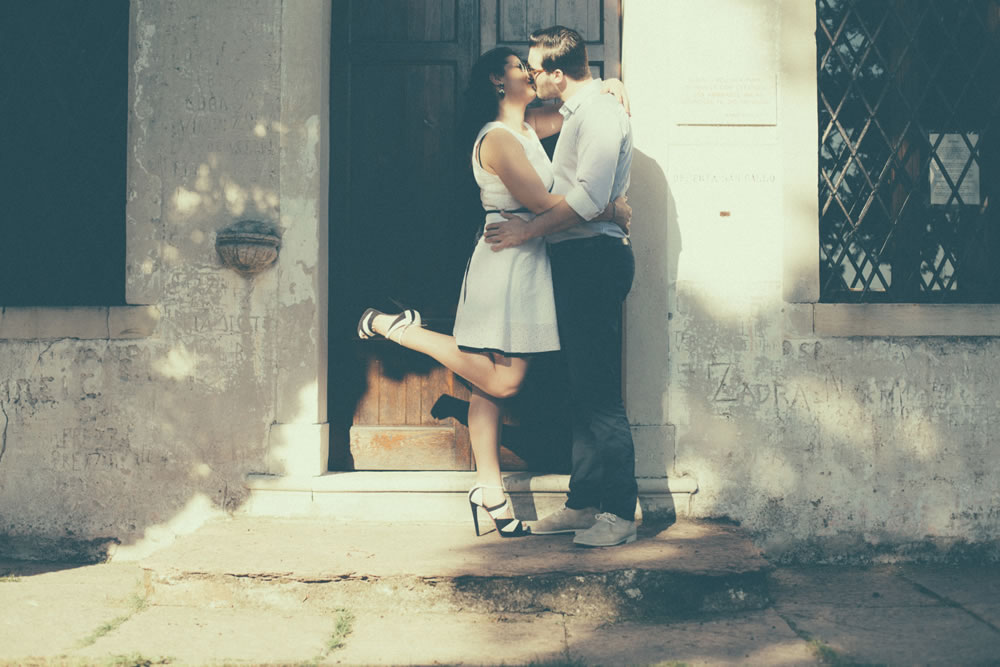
506,527
403,321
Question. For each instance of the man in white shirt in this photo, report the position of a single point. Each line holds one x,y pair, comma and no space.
592,271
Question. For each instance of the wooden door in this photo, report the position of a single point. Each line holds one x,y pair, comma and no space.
404,210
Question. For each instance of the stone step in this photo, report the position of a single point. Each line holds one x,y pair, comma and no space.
673,569
437,496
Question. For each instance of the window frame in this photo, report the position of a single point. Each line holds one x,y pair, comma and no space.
139,317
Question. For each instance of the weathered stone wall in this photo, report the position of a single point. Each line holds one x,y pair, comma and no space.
130,441
823,447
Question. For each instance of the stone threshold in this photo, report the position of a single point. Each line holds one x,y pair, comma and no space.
446,481
432,495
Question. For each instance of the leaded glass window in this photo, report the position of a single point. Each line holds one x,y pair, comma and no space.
909,107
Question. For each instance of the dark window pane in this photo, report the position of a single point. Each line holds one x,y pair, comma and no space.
63,104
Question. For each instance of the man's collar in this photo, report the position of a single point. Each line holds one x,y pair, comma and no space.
593,87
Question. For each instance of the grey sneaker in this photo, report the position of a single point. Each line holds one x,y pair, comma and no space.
565,520
609,531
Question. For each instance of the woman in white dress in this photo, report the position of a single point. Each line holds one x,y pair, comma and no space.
506,311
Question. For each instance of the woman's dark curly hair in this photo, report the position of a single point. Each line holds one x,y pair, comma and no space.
481,103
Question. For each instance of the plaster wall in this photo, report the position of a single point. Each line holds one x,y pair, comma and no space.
114,445
824,447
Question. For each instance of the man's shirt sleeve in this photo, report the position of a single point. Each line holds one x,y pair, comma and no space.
601,133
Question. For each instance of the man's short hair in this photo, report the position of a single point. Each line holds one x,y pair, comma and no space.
562,48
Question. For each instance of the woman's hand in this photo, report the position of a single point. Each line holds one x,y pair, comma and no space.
622,213
617,88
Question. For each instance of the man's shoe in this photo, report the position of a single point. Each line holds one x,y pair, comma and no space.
609,531
565,520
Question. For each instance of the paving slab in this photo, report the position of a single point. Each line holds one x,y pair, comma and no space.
899,635
673,569
755,638
48,609
831,586
463,638
199,636
878,615
975,588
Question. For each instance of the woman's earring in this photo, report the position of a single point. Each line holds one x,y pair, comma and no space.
500,91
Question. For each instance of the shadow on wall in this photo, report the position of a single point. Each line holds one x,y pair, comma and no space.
656,242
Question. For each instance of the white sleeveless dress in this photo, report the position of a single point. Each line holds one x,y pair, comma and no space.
506,304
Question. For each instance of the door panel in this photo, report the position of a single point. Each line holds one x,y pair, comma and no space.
374,21
509,22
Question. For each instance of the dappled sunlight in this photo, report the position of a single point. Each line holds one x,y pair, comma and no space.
178,364
198,510
216,184
292,448
236,198
215,192
201,471
203,183
170,254
264,200
185,201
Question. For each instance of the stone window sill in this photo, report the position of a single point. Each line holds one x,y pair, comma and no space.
80,322
891,320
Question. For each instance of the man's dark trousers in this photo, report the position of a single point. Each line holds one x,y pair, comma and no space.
591,278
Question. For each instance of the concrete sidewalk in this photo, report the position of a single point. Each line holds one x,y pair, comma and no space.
308,592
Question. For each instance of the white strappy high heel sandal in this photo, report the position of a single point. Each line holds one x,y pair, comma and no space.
403,321
506,527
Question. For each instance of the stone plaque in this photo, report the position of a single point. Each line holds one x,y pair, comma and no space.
728,99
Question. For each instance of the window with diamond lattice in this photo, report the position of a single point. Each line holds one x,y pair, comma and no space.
909,152
63,105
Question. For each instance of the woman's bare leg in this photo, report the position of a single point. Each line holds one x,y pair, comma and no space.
484,432
496,374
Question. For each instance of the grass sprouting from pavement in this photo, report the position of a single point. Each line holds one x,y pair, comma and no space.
827,655
137,604
342,628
